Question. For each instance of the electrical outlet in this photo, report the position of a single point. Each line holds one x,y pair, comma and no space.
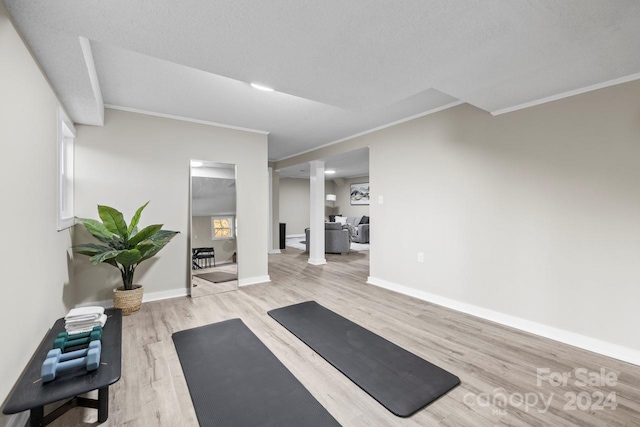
380,200
420,256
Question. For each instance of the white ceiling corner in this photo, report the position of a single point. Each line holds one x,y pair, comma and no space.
338,68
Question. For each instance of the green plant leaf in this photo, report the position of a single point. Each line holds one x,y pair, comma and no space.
90,249
129,257
153,250
104,256
136,218
97,229
145,247
144,234
163,235
113,221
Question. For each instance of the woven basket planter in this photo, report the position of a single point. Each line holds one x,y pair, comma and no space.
128,301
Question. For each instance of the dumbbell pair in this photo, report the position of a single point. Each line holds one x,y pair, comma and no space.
57,361
65,340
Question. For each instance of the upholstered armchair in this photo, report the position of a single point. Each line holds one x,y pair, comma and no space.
336,239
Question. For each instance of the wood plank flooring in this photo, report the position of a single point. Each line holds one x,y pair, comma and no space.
489,359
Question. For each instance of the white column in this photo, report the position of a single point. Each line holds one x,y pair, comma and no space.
316,210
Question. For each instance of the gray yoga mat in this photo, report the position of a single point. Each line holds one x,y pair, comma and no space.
399,380
218,276
234,380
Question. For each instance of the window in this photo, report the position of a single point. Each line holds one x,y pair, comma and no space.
222,227
66,143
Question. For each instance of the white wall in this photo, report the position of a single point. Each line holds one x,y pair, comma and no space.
34,257
533,214
135,158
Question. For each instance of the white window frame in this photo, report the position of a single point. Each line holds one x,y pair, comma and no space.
232,221
66,166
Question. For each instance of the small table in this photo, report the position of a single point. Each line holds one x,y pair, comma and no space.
31,394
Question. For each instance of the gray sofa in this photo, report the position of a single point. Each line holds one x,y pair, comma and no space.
362,230
336,239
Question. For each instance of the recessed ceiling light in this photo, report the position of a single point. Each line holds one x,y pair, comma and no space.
196,164
260,87
329,172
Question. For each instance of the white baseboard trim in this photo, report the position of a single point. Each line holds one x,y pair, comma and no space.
19,419
294,235
274,251
147,297
595,345
254,280
173,293
320,261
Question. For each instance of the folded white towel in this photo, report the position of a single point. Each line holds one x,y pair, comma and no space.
81,325
99,321
77,328
84,311
80,319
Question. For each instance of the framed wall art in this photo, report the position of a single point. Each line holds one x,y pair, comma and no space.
360,194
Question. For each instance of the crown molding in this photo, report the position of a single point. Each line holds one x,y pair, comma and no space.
183,119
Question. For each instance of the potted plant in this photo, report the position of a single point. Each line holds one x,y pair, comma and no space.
124,247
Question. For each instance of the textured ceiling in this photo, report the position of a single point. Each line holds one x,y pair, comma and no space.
338,67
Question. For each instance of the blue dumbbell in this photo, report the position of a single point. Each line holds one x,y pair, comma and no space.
57,361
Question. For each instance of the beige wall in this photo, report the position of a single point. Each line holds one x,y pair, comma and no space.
342,189
36,273
275,206
294,204
329,188
201,237
533,214
135,158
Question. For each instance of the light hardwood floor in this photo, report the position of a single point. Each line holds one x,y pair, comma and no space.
487,357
